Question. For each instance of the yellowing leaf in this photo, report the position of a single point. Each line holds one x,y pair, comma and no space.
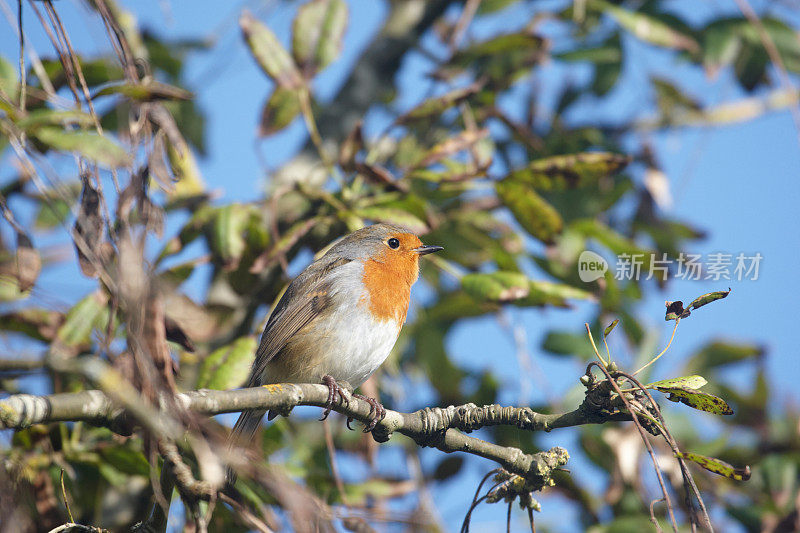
317,34
694,382
561,172
496,286
92,146
549,293
227,239
436,106
271,56
228,367
279,111
533,212
189,182
147,92
87,315
697,399
700,301
648,28
718,466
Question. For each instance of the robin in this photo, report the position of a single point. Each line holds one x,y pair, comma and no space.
339,319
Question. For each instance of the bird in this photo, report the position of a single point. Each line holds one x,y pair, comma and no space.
339,319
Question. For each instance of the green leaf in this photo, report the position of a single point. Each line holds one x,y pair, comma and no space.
717,466
317,34
549,293
437,106
9,81
126,460
568,343
87,315
490,6
700,301
693,382
147,92
271,56
189,181
610,327
750,65
227,239
671,99
452,145
560,172
606,53
617,243
606,76
98,148
721,43
515,287
533,212
282,107
697,399
39,324
497,286
501,60
497,45
52,117
648,28
393,215
719,353
228,367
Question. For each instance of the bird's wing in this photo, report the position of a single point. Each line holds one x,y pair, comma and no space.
294,311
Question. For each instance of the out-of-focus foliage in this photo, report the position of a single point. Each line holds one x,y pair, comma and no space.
514,194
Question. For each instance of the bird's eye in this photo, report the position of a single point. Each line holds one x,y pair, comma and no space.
393,243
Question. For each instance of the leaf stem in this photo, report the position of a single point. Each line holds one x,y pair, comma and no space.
594,346
653,360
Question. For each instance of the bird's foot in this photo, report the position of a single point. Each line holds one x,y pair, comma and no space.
334,390
376,412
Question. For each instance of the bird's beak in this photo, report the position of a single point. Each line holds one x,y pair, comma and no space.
425,250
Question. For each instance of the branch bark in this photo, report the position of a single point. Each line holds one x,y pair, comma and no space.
441,428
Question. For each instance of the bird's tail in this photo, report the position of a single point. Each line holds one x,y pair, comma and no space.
242,434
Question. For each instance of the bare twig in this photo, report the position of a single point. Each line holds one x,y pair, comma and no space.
646,441
64,495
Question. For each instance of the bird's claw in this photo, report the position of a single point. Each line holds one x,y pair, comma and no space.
334,390
376,412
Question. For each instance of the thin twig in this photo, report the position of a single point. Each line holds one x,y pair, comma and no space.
22,73
64,495
332,458
656,358
646,441
594,346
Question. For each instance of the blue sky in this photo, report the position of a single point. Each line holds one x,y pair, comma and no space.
739,183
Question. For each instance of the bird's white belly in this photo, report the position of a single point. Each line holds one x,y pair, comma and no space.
358,345
347,344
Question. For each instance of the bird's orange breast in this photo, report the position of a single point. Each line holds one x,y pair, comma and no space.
388,279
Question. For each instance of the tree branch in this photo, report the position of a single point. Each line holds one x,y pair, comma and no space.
441,428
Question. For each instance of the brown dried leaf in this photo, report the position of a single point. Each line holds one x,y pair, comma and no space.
89,229
176,334
350,147
155,337
378,174
29,263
